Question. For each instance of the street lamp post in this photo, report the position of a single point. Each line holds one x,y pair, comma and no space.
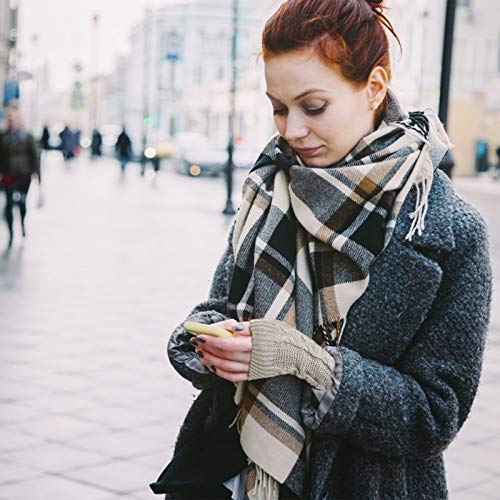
449,26
95,108
229,209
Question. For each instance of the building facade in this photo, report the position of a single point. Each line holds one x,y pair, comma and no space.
179,71
8,43
474,107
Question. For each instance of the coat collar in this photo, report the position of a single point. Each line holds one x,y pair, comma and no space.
438,233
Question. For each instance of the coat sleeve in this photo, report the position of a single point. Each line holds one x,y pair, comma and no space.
415,408
181,352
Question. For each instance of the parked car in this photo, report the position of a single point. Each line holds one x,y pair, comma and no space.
195,155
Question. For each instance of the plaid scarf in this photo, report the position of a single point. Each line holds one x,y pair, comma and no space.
304,241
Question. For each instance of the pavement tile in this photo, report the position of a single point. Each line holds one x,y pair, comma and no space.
56,457
58,427
156,461
470,494
120,445
11,440
490,488
11,473
14,413
119,476
51,488
476,456
461,477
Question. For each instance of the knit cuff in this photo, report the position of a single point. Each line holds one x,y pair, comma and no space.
265,338
279,349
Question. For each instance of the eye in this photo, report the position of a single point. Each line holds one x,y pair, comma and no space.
279,111
315,111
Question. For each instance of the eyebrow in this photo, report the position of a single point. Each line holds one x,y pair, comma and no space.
300,96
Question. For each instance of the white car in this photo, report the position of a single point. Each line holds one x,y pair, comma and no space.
195,155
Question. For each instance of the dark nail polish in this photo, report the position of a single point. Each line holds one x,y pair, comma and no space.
193,341
199,353
213,369
238,327
201,339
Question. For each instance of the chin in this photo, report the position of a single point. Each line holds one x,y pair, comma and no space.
318,162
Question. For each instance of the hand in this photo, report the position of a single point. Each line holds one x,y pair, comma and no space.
228,358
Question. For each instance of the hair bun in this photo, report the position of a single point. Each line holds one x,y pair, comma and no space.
375,3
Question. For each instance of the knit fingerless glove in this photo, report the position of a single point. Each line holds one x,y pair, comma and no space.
279,349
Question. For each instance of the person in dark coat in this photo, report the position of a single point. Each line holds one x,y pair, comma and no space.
19,161
353,298
96,145
67,145
123,149
45,139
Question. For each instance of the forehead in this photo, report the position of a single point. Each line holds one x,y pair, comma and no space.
291,73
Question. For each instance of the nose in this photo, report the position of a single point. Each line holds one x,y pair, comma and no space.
295,127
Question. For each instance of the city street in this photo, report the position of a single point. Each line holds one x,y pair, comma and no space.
89,407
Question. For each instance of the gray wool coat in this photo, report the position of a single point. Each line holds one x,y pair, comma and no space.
411,354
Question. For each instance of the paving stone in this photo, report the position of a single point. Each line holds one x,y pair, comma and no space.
120,445
11,440
12,473
120,476
491,489
461,477
55,458
58,428
52,488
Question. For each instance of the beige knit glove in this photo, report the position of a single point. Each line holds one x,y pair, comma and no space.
279,349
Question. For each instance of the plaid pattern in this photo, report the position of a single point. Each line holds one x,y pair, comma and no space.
304,241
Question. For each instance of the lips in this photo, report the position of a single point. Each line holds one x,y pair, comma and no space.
307,152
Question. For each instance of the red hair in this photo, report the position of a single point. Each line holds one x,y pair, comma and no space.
346,33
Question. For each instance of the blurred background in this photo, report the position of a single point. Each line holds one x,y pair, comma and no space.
148,115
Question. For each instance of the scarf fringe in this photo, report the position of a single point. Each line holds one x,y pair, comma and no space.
422,184
266,487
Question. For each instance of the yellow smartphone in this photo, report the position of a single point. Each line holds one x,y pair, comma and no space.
202,329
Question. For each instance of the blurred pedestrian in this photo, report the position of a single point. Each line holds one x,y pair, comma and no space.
67,145
96,145
77,136
497,170
45,139
123,149
354,291
481,155
19,161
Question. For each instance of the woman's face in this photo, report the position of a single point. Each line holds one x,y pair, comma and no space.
321,114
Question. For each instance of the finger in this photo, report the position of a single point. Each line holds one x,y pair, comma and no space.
242,344
241,356
242,328
227,324
223,364
232,377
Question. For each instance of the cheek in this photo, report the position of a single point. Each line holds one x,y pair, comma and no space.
344,128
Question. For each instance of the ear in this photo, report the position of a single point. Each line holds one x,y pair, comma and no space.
376,86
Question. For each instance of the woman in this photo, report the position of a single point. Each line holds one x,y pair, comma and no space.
355,279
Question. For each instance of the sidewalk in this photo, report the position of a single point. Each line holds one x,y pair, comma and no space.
89,408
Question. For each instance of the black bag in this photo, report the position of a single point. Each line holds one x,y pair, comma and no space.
199,469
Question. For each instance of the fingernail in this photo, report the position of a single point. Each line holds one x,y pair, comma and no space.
213,369
238,327
193,341
199,353
201,339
